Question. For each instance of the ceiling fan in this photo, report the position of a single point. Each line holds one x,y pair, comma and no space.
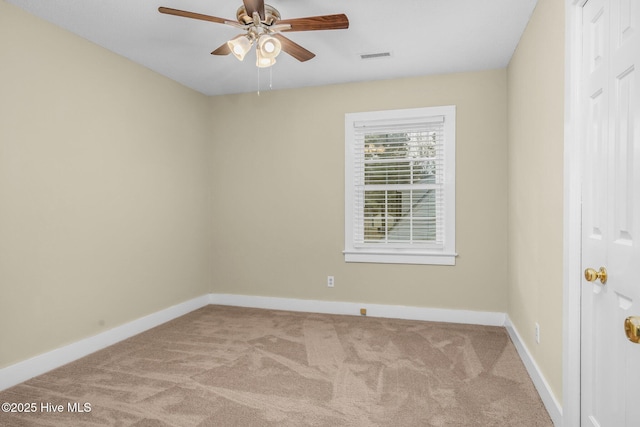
262,26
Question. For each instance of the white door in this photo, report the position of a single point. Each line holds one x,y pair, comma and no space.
610,104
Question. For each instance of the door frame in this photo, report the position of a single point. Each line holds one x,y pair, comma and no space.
572,216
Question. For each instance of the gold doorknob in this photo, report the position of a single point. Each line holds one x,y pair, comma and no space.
632,328
592,275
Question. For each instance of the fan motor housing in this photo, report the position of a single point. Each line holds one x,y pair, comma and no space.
271,16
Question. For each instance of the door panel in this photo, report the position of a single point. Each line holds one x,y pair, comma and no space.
611,211
594,217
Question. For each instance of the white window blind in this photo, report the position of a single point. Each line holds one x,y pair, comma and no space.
398,180
398,184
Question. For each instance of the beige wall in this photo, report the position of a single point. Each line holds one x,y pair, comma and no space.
278,211
103,195
536,120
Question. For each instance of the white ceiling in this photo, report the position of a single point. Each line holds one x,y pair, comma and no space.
423,36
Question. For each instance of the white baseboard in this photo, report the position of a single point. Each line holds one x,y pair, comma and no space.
22,371
542,386
353,308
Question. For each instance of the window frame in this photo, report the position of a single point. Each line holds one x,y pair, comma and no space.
383,253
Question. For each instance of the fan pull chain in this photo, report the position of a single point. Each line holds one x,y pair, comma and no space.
270,80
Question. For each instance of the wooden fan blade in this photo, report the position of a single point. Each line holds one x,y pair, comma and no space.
224,49
312,23
192,15
254,6
294,49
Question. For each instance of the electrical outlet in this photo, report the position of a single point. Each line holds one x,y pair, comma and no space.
330,281
537,333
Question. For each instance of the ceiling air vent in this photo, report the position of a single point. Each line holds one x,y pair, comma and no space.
375,55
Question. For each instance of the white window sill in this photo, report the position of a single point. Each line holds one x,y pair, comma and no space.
401,257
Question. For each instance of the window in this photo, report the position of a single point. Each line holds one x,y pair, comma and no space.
400,186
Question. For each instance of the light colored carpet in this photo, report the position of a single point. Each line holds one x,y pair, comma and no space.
229,366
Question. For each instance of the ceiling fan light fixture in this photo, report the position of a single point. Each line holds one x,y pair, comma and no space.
240,46
264,61
269,46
